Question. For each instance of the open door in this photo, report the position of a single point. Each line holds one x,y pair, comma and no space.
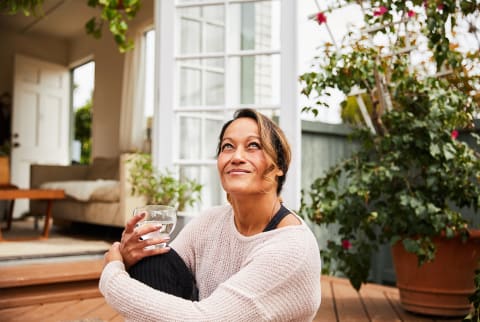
40,119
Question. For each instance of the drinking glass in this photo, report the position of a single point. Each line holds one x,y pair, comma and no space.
164,216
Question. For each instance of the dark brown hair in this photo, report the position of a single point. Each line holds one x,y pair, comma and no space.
272,138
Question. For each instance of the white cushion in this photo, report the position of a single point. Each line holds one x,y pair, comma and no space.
86,190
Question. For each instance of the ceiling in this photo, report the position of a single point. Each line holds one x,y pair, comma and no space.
62,19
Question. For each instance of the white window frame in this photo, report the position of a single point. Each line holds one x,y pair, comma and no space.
164,142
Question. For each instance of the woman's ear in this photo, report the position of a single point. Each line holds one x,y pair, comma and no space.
279,173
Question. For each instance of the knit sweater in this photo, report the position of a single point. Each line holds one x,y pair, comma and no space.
270,276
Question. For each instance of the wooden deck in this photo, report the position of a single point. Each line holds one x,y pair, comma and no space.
68,292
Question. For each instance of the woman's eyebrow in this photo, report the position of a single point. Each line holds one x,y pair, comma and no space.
248,138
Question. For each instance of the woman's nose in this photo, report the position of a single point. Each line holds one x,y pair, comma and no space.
238,155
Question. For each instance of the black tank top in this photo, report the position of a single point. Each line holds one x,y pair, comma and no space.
281,213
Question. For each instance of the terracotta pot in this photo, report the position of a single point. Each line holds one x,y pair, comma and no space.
441,287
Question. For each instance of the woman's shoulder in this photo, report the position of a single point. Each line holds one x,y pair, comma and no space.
292,239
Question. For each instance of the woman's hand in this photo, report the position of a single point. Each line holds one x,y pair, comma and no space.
132,246
113,254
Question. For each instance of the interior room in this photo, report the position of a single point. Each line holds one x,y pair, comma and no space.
48,46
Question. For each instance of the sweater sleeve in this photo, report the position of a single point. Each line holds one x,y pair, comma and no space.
280,282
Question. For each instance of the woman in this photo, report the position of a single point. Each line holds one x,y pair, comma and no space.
247,266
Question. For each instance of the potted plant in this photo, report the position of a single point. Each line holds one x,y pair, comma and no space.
412,176
159,187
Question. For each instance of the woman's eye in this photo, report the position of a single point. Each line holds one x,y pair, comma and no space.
227,146
254,145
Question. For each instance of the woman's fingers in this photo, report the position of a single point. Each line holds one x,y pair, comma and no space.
135,243
132,222
113,253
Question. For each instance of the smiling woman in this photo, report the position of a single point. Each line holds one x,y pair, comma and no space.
255,228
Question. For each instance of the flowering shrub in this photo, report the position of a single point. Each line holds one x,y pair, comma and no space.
411,175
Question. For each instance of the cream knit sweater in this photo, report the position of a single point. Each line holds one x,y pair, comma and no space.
271,276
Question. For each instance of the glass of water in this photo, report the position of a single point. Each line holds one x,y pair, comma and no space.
163,216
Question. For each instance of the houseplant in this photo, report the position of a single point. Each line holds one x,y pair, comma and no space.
161,187
412,175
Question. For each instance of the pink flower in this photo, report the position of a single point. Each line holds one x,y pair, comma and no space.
440,6
454,134
410,13
321,18
380,11
346,244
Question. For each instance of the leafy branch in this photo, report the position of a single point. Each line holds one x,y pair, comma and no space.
116,13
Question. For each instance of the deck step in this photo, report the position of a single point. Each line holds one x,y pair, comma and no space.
49,282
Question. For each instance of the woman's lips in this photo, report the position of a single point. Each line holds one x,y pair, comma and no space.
237,171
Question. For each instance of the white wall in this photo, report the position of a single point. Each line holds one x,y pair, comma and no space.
48,49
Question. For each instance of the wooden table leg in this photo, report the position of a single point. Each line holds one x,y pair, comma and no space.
10,214
9,217
48,215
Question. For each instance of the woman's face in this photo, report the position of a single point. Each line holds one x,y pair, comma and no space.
242,163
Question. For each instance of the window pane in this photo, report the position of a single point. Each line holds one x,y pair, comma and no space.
214,38
214,195
149,72
190,36
193,1
214,13
214,83
202,29
255,26
190,137
212,192
190,94
212,132
258,79
201,82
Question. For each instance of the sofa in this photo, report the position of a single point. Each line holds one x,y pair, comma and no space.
99,193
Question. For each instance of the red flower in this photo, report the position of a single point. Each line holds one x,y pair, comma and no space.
380,11
454,134
440,6
410,13
346,244
321,18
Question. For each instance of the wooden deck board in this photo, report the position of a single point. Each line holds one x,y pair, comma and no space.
103,312
378,307
326,313
340,302
349,304
15,313
44,312
80,307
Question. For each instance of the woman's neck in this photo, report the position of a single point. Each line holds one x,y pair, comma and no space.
252,215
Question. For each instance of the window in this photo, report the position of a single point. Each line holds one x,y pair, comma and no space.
149,86
83,78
